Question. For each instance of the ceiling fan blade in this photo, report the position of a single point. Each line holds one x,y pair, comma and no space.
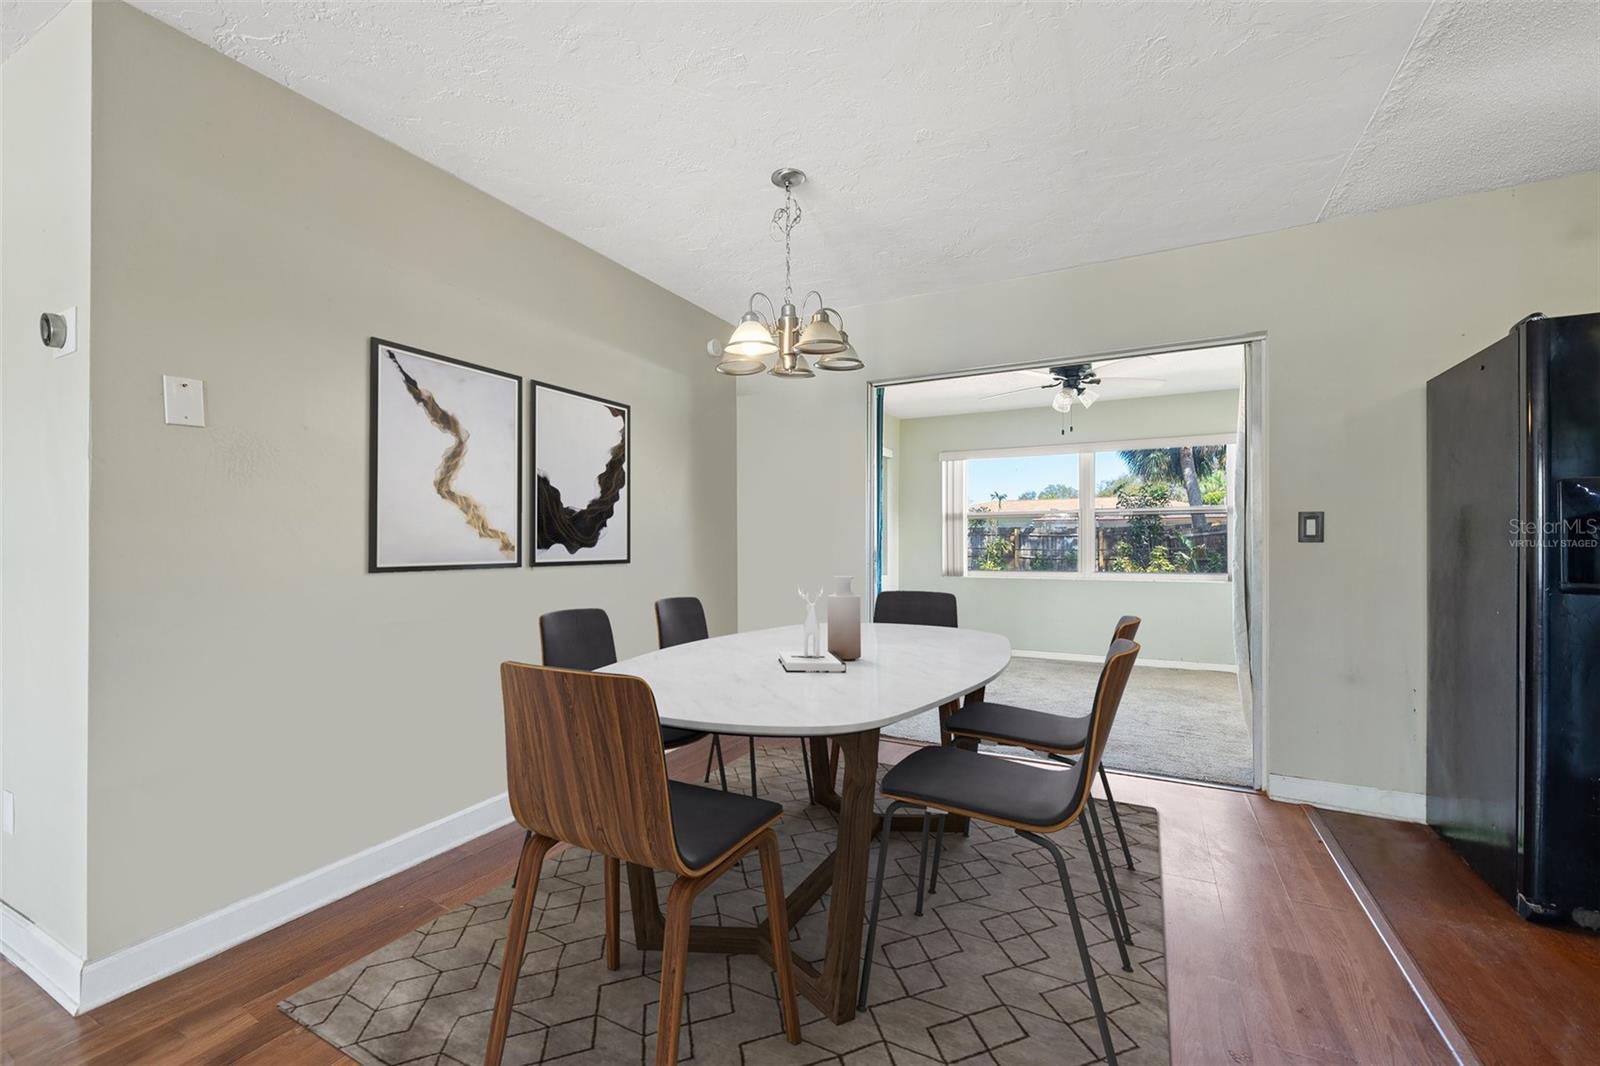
1013,392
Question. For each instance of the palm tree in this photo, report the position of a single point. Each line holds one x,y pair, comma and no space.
998,497
1170,465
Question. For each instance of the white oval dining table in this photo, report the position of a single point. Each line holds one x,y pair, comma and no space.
734,684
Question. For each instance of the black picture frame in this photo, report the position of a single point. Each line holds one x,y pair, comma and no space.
534,385
374,369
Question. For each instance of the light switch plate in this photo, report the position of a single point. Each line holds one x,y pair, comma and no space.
185,400
1312,527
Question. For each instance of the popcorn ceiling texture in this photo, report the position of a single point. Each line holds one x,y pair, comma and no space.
949,145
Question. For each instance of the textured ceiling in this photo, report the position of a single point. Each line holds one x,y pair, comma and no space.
1138,377
948,144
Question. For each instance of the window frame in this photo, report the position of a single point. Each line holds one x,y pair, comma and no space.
1087,532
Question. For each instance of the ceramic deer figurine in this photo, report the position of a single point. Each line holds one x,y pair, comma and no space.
813,635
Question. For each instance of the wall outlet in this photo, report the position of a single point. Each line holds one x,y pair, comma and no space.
185,400
8,812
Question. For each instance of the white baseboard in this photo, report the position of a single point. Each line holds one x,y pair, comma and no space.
1356,799
1159,664
81,987
49,964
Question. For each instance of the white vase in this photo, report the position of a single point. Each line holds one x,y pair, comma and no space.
844,621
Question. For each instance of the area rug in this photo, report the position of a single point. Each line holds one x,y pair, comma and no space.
988,975
1175,723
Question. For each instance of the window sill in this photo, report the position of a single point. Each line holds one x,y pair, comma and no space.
1045,575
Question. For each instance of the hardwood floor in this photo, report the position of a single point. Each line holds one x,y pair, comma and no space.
1270,958
1520,992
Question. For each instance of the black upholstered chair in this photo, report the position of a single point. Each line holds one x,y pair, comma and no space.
682,620
1056,735
909,608
1032,797
580,639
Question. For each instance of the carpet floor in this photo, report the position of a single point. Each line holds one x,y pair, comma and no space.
1187,724
988,975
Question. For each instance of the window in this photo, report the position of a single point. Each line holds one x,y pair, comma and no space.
1158,508
1023,513
1161,510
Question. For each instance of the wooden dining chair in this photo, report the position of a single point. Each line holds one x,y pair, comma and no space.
584,767
1032,797
912,608
1059,735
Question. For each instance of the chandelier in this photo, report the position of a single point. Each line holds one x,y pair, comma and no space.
778,333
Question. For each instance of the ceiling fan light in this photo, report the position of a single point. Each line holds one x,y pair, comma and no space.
820,337
751,340
1087,397
1062,401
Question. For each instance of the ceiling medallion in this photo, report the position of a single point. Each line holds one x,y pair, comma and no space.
759,337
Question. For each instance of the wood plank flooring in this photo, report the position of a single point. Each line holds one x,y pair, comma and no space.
1270,959
1520,992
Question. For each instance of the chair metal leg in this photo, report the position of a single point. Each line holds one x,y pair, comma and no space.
1111,875
877,896
711,756
722,771
1083,945
518,872
938,849
805,762
753,791
1105,894
1116,819
922,862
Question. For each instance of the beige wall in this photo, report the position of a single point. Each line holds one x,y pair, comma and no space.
44,477
1358,314
1188,620
262,706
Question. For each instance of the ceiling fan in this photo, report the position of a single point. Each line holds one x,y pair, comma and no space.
1075,381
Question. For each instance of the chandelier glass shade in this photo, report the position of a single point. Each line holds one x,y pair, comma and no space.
779,335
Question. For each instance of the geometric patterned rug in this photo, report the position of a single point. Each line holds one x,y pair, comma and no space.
988,975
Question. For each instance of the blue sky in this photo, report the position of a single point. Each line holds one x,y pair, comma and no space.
1030,473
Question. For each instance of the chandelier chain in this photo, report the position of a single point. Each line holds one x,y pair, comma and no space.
787,218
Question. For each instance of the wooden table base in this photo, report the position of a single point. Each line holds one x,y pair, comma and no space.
832,988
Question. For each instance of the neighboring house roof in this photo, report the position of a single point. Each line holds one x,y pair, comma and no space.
1030,508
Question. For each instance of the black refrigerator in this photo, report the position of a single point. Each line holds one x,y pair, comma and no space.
1514,614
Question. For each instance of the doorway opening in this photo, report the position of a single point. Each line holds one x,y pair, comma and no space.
1053,499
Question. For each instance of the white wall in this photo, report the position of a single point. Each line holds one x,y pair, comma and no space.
44,477
1188,620
1358,314
893,476
260,705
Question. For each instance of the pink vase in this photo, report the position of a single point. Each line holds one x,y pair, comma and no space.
844,621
